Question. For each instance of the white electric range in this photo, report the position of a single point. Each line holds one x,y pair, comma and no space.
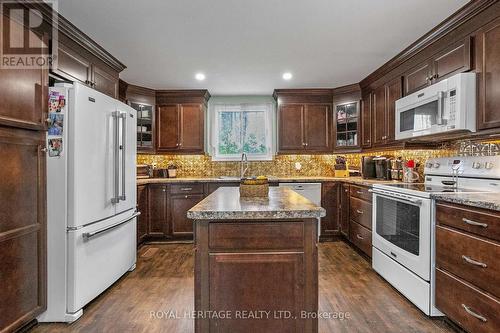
403,231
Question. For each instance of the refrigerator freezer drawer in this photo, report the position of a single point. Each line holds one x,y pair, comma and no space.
98,255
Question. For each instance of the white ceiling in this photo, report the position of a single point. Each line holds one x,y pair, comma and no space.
244,46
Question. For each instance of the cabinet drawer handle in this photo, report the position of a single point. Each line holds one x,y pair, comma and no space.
474,262
359,192
473,314
186,196
186,189
474,223
359,237
359,211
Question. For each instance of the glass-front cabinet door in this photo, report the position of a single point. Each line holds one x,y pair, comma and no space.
144,125
347,125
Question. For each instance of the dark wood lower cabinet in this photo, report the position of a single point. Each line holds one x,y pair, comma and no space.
143,207
275,260
22,227
158,210
181,226
330,201
344,209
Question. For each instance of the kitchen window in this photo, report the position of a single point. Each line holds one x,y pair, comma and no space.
242,128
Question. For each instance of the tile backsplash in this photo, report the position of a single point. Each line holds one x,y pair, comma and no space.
281,166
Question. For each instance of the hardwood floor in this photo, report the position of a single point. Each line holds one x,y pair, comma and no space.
163,281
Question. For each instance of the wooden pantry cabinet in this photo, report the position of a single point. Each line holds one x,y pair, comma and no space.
180,121
23,214
304,120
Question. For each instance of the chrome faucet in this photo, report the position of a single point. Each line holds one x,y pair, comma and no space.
243,170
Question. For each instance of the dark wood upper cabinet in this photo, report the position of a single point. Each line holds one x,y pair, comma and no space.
144,101
158,213
72,65
180,121
347,118
384,111
143,207
167,127
304,120
192,127
317,127
105,81
454,59
378,114
488,68
291,127
22,227
418,77
23,92
77,62
366,120
394,91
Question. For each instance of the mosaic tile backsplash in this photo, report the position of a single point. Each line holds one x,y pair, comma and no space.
281,166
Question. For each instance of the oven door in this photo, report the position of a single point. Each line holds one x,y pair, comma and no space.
402,230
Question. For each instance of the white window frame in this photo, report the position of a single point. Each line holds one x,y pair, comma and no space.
225,107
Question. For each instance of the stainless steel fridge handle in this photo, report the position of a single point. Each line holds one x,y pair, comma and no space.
88,235
116,157
124,152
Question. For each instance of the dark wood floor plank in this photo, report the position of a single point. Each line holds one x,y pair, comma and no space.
163,281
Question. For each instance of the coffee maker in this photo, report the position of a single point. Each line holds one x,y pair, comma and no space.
382,167
368,167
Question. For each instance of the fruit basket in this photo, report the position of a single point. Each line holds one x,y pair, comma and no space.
254,187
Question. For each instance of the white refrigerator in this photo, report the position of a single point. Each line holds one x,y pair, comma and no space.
91,197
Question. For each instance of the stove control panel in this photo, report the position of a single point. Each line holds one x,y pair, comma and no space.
471,166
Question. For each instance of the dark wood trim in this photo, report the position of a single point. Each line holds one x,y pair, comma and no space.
79,37
457,19
182,96
303,96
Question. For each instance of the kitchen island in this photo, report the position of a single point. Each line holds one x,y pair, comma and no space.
256,264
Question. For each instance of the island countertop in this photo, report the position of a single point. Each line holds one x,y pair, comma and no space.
226,204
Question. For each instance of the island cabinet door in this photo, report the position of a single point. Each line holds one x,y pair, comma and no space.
180,225
229,290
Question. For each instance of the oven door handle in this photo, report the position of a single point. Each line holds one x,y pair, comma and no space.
417,202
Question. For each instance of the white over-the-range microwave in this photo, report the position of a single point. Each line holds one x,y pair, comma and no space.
447,106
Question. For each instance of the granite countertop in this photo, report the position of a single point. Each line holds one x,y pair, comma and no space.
297,179
225,204
481,200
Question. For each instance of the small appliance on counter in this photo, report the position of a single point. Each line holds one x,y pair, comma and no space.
382,167
368,167
340,167
396,169
144,171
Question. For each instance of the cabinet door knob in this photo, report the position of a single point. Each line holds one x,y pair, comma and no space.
359,211
44,149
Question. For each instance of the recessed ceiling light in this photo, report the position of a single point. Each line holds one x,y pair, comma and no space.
200,76
287,76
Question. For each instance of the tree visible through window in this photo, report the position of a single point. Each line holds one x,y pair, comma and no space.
243,128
